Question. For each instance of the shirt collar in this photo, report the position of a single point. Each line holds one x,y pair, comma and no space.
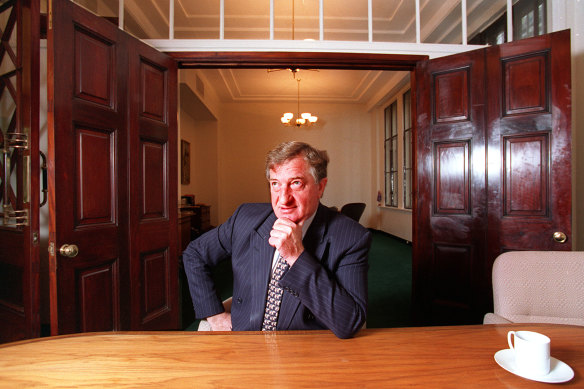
307,224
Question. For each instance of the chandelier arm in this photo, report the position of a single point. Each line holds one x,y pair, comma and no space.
298,106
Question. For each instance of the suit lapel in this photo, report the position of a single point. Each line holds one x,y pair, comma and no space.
315,242
261,265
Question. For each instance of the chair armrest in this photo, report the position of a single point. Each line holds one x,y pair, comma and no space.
493,318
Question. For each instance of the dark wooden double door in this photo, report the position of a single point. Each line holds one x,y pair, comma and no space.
112,177
493,174
493,169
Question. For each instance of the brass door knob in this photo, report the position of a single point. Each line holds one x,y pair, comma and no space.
69,250
560,237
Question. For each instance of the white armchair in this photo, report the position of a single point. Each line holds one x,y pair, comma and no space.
538,287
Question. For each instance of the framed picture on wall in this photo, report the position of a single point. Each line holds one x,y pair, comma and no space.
185,165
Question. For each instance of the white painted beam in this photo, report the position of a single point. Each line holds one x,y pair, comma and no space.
243,45
121,15
171,19
418,34
321,20
271,19
509,20
222,19
463,20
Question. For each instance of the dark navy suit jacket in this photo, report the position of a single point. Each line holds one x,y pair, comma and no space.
325,288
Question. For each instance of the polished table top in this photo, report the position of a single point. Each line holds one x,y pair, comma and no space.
456,356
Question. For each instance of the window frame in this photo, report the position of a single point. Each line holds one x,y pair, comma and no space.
524,8
391,153
407,150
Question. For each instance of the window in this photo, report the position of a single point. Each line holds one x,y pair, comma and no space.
495,34
391,183
407,150
529,19
397,154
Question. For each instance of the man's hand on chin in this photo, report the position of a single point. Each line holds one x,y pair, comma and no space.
286,237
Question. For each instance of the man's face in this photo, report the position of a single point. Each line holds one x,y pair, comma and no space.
295,195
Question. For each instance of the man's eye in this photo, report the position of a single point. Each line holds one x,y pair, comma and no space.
274,184
297,183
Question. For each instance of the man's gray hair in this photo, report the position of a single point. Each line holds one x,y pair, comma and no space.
317,159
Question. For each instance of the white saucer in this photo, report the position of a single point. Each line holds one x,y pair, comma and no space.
559,371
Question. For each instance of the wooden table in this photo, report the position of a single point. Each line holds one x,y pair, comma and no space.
457,356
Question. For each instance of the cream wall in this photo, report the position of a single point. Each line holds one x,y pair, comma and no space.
247,131
198,125
571,15
202,138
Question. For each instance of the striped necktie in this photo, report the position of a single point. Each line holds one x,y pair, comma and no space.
274,297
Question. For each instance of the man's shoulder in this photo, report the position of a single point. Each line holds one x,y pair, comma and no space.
339,223
250,212
254,209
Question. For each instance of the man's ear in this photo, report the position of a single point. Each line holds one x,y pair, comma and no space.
321,186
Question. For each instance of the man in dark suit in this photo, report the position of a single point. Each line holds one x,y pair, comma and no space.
324,255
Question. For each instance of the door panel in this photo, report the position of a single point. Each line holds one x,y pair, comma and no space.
101,182
152,177
452,178
98,297
450,219
95,185
19,170
529,135
493,173
526,175
95,65
87,175
154,212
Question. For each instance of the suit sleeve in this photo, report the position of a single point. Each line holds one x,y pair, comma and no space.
199,258
337,294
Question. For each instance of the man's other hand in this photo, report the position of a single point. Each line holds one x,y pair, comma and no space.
220,322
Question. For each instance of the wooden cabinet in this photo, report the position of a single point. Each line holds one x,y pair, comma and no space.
184,231
200,220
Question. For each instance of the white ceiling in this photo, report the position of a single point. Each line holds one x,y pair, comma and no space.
261,85
343,20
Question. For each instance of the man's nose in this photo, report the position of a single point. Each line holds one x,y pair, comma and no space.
286,193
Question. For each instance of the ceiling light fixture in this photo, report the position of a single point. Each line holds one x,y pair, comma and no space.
304,119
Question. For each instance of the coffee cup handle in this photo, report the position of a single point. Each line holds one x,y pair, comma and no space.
509,334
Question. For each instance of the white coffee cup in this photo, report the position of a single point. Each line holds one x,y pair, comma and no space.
532,352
